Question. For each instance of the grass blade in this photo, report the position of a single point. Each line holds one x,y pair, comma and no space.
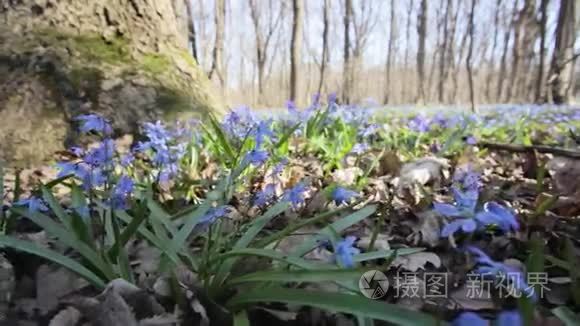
346,303
53,256
337,227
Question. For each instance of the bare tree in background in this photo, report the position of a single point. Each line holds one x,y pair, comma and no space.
562,66
407,38
491,59
347,70
217,66
422,32
442,57
296,47
540,78
325,50
263,36
390,50
505,50
468,63
364,21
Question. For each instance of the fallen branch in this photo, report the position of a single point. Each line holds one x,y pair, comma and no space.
532,148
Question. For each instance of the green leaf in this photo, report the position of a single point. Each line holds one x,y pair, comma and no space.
284,276
346,303
53,256
337,226
255,227
222,139
66,237
56,208
385,254
241,319
274,255
566,315
258,224
288,230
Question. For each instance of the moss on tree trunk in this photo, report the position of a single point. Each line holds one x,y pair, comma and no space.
125,59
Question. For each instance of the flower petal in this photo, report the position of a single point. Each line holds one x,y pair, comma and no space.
446,210
506,219
451,228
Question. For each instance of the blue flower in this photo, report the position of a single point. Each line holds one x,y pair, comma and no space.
257,157
510,318
467,178
471,140
263,131
96,123
419,123
34,204
345,251
341,195
501,273
467,225
359,148
505,318
464,206
494,213
332,98
295,195
102,155
121,193
127,160
469,318
212,215
266,195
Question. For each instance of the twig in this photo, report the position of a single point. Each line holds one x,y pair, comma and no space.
533,148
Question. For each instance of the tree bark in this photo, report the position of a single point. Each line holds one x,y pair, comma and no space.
503,60
540,78
296,47
407,37
217,66
325,50
442,56
562,66
346,83
422,33
468,63
126,60
490,62
390,50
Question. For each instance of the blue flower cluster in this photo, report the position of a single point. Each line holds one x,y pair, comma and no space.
95,167
468,220
165,147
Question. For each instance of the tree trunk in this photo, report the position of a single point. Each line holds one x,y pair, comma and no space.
390,49
442,56
562,66
422,32
296,47
325,50
126,60
217,66
540,78
407,37
468,63
346,84
490,63
503,60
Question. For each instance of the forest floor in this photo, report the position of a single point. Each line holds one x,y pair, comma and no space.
327,215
